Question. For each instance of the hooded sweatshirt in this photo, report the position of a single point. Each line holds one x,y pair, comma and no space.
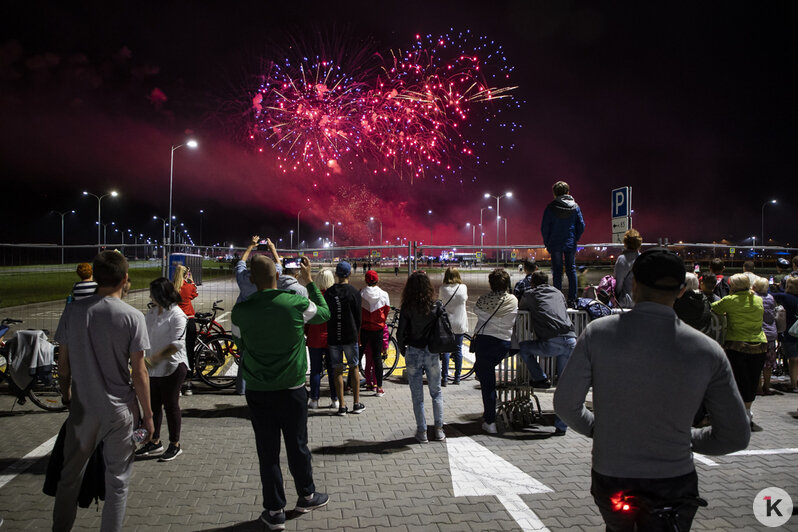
694,309
562,224
375,307
549,312
500,325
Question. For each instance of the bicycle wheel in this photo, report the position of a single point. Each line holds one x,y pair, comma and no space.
46,393
468,360
391,360
216,361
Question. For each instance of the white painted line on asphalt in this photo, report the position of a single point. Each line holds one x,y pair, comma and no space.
476,471
221,318
752,452
25,462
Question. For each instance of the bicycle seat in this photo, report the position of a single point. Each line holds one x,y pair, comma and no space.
202,316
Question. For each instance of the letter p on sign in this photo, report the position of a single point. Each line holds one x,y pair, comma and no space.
620,202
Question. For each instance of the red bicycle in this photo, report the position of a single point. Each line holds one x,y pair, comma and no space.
216,356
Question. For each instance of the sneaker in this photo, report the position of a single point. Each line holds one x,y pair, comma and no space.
313,404
756,428
444,382
490,428
172,452
358,408
342,411
369,387
335,404
456,381
558,432
421,436
186,389
544,384
439,434
150,449
380,392
318,500
273,522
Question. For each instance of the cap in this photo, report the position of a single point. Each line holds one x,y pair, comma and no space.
343,269
372,277
659,268
784,263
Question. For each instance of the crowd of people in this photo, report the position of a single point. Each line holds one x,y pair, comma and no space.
120,370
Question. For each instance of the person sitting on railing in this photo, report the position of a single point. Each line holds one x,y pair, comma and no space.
554,331
641,431
525,284
496,313
708,282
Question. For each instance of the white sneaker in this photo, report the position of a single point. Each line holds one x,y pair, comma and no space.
490,428
313,404
336,404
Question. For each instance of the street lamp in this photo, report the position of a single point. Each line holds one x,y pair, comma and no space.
163,239
291,244
482,232
473,232
380,222
113,194
200,235
332,239
771,202
62,214
191,143
507,195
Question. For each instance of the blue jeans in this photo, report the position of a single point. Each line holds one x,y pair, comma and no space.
337,353
458,360
489,352
560,347
320,358
570,271
418,361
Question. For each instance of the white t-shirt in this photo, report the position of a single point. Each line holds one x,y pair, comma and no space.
168,327
454,296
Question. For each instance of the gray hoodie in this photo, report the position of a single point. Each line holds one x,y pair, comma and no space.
549,312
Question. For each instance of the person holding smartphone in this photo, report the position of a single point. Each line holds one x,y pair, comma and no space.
184,285
287,279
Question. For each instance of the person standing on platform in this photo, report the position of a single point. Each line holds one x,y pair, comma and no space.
561,228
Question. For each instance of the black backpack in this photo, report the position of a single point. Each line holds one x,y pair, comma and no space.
441,338
722,289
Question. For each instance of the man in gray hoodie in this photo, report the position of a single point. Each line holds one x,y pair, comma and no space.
650,373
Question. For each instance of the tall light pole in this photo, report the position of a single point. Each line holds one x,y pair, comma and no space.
473,232
291,245
113,194
771,202
332,238
191,144
62,214
481,231
507,195
163,249
200,235
380,222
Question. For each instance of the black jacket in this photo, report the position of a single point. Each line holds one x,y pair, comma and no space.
93,485
694,309
345,315
414,329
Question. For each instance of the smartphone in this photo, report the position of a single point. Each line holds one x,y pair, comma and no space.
292,263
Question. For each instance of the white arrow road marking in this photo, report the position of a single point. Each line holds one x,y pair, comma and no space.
25,462
221,318
476,471
752,452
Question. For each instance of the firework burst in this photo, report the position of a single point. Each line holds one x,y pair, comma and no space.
407,113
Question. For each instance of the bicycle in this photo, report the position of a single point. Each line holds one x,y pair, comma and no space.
391,358
215,352
667,509
44,390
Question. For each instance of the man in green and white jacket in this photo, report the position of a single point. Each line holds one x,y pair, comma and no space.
269,326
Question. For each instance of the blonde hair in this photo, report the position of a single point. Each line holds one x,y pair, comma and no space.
739,282
691,281
761,285
324,279
452,276
180,277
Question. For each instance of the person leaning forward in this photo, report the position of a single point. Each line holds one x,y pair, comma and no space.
269,325
650,373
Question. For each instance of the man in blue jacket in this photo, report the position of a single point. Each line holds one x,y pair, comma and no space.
561,228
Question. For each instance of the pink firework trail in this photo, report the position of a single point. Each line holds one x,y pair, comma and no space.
411,117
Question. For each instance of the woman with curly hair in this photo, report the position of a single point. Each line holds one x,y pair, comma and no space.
415,322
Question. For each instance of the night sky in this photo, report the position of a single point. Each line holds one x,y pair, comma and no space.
691,105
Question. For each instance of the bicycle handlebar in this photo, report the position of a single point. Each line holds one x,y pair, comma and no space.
9,321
